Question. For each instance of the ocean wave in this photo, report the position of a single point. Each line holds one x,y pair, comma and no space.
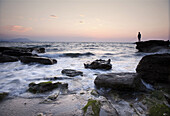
50,55
72,55
77,54
108,54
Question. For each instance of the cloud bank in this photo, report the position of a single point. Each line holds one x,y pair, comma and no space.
18,28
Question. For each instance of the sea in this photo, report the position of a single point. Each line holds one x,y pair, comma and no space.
16,76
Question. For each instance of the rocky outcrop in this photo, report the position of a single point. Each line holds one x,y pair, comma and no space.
35,59
154,68
71,73
6,58
99,64
3,95
45,86
22,49
17,53
153,46
120,81
25,55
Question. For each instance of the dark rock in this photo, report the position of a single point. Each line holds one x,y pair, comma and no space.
3,95
45,86
99,64
5,48
17,53
20,51
6,58
152,45
35,59
120,81
77,54
71,73
16,49
154,68
54,61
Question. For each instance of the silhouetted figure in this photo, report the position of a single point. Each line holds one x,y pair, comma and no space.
139,36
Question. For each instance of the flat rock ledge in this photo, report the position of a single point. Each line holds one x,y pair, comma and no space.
120,81
153,46
71,72
45,86
99,64
36,59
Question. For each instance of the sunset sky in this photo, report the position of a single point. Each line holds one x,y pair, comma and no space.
84,20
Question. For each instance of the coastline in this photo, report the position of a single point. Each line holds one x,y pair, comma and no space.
83,93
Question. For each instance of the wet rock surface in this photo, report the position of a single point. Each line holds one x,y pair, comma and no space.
155,68
12,54
45,86
6,58
17,53
99,64
119,81
3,95
22,49
35,59
153,46
71,72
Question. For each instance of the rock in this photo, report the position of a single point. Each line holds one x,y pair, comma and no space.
17,53
71,73
154,68
152,45
45,86
40,114
6,58
120,81
3,95
35,59
23,49
77,54
94,93
53,97
159,110
20,51
99,64
99,107
15,49
5,48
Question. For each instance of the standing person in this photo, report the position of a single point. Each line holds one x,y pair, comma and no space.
139,36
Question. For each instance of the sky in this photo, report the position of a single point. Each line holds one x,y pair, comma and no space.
85,20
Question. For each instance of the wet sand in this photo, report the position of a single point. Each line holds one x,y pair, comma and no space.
64,105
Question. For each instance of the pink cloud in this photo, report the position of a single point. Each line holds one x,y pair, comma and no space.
53,16
18,28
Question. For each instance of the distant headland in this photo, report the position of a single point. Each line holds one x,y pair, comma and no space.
16,40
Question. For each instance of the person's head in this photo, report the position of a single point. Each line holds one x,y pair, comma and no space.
139,32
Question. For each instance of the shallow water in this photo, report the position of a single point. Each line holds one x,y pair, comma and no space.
15,76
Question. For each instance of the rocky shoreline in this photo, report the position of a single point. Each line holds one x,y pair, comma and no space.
116,94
